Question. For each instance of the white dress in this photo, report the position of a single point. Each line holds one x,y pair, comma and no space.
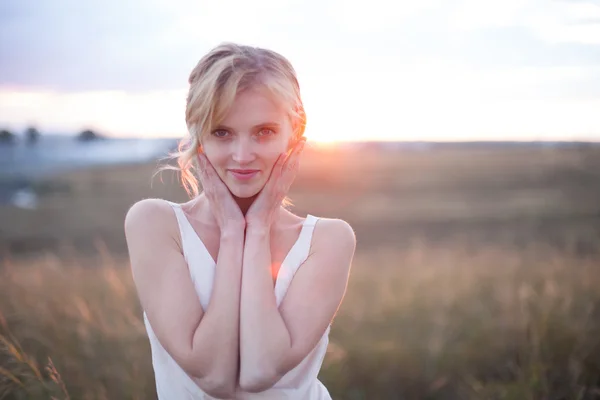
173,383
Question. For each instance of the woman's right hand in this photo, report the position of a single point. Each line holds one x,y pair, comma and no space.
228,214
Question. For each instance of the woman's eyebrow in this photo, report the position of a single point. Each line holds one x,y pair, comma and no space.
263,124
272,124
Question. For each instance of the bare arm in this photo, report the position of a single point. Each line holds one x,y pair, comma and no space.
205,343
272,340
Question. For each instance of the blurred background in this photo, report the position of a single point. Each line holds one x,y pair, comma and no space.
460,139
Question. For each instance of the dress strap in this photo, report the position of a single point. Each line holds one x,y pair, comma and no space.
181,222
296,257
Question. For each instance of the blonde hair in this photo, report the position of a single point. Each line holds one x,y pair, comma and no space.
219,76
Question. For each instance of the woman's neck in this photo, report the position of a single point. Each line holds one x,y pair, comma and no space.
244,203
201,206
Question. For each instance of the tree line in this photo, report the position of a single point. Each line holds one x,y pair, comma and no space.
32,135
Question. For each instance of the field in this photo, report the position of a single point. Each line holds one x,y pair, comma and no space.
476,276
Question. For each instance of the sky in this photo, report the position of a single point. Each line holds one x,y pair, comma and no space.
368,70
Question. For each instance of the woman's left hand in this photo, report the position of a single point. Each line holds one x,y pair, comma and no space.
263,210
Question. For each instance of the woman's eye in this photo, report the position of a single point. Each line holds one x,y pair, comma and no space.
220,133
266,132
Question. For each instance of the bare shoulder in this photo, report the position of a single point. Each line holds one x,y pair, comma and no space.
147,210
151,216
334,234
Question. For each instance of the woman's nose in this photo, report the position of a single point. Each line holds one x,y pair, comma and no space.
243,151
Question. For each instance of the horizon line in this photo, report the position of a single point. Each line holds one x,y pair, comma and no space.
364,141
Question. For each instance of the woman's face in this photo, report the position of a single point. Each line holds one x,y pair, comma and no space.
245,146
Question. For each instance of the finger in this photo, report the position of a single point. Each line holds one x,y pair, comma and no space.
206,163
204,177
207,166
210,170
294,158
275,173
281,159
287,157
298,147
278,167
213,178
286,161
201,157
202,164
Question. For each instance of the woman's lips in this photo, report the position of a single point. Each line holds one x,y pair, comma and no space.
244,174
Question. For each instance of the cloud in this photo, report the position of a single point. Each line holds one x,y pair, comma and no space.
471,15
141,45
555,21
95,45
378,15
123,65
154,113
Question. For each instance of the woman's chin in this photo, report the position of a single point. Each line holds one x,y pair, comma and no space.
244,192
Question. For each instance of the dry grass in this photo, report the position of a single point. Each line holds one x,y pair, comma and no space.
417,324
476,277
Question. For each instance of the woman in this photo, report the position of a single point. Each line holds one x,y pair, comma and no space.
238,292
